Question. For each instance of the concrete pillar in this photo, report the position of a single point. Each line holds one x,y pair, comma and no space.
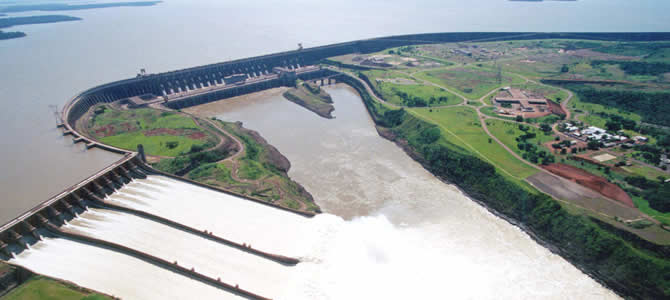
16,238
78,201
53,212
5,249
31,229
68,207
41,220
140,150
99,188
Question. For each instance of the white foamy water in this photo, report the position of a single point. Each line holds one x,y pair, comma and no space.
207,257
404,235
113,273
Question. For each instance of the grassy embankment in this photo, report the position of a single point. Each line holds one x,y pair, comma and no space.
161,133
187,149
461,126
401,89
615,257
311,97
42,288
260,172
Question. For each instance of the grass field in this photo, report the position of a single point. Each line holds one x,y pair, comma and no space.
649,173
507,132
161,133
643,206
431,94
577,104
40,288
471,82
461,126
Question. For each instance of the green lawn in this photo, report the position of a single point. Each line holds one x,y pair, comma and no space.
471,82
161,133
643,206
649,173
391,92
461,126
507,132
41,288
153,145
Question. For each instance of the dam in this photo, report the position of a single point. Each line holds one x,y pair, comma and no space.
115,222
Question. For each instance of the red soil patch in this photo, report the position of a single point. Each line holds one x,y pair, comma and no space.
537,114
555,108
163,131
109,129
591,181
104,131
197,135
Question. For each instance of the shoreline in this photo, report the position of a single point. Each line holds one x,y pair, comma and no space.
527,230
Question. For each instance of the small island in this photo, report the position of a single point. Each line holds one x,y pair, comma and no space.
9,22
311,97
28,20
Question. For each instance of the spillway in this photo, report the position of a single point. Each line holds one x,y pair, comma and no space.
404,234
194,206
239,220
474,255
111,272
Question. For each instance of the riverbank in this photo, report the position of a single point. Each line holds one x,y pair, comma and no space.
607,257
22,283
311,97
220,154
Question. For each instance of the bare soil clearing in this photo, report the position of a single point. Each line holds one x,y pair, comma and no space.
598,184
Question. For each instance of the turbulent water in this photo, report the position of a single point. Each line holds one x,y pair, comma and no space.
56,61
391,230
400,234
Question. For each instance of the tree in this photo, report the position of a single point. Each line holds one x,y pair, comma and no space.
593,145
660,199
565,69
545,127
573,150
429,135
519,118
564,151
613,125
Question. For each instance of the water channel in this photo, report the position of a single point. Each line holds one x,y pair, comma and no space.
390,229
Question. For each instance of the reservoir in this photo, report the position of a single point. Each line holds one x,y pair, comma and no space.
56,61
389,228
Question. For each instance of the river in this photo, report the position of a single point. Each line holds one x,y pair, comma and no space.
390,229
56,61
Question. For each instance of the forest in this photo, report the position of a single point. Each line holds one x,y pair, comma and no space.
636,67
654,107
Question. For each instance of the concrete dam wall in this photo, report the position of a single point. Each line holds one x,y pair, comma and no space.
48,218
